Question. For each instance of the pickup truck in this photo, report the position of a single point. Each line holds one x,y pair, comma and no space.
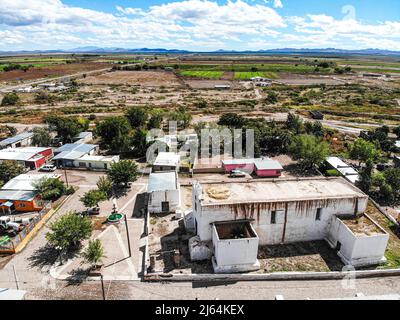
8,226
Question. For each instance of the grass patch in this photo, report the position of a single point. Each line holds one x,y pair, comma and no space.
203,74
249,75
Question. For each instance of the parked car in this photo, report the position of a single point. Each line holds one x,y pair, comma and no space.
48,168
94,211
237,174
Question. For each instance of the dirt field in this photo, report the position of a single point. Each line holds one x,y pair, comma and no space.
50,71
143,78
208,84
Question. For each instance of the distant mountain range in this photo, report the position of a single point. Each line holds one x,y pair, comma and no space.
286,51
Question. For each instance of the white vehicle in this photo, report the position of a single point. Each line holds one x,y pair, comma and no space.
7,225
48,168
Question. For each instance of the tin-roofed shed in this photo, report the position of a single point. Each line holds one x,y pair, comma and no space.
164,192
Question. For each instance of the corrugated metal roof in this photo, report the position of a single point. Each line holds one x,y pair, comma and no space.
20,154
16,138
80,147
14,195
162,181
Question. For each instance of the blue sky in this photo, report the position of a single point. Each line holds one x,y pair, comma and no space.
200,24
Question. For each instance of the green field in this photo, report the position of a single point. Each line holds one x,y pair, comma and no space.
249,75
289,68
203,74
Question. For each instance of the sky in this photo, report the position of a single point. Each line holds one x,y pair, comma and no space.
199,25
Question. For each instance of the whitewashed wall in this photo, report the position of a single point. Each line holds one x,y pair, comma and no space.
157,197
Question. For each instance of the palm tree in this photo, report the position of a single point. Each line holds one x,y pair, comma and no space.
94,253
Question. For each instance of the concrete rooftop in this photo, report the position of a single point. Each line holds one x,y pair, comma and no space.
280,190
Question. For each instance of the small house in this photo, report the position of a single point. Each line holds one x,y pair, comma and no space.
83,137
262,167
30,157
163,192
95,162
20,194
66,155
166,161
20,140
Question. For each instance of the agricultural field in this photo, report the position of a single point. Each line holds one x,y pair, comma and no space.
203,74
249,75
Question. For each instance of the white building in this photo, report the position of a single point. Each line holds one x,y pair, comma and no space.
164,192
95,162
280,211
23,139
84,137
166,161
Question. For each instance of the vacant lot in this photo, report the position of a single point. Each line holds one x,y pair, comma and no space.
143,78
50,71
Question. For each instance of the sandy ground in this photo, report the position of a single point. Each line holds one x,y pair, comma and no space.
143,78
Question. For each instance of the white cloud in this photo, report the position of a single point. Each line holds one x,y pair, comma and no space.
278,4
189,24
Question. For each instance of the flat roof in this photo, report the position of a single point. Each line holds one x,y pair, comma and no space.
268,164
26,181
162,181
167,158
278,190
11,294
16,138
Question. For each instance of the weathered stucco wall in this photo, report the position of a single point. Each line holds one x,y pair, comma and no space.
295,220
234,251
157,197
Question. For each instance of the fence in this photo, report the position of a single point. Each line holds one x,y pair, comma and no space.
8,245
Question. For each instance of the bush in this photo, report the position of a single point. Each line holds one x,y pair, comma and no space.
333,173
10,99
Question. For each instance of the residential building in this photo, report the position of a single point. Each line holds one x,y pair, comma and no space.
84,137
164,192
20,194
280,211
68,154
20,140
30,157
95,162
262,167
166,161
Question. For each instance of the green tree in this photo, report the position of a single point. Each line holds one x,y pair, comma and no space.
139,142
309,150
67,128
123,172
43,97
9,169
92,198
69,230
181,116
366,178
272,98
50,188
396,131
105,185
94,253
113,131
137,116
232,120
363,151
155,120
10,99
41,137
294,123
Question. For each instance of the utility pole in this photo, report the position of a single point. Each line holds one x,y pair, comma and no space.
66,177
102,287
127,235
15,277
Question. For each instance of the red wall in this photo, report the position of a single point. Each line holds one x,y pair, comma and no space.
48,153
268,173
